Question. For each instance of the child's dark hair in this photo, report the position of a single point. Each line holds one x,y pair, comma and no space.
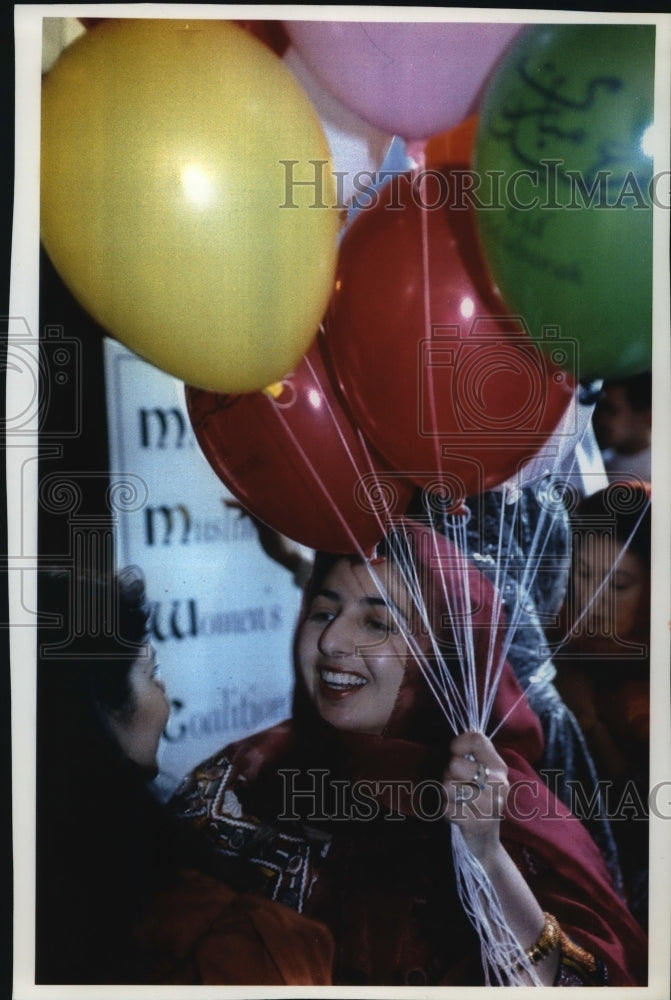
92,629
105,843
90,797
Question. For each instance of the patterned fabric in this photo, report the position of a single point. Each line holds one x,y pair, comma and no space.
279,863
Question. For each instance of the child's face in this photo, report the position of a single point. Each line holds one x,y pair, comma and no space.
138,729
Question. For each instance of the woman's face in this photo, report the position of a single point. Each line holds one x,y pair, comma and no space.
614,613
139,728
351,648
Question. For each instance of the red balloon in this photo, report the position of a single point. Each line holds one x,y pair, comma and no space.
294,458
452,391
453,147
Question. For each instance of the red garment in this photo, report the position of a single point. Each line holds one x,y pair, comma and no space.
615,695
385,885
611,700
200,932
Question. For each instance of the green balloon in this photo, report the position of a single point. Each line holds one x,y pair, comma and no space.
564,205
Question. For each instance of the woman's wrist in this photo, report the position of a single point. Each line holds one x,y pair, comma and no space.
490,853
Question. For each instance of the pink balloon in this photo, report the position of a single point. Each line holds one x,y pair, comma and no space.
410,79
357,147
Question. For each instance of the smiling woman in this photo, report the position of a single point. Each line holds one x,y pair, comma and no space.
350,810
351,651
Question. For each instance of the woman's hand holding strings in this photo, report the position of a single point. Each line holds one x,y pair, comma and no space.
476,785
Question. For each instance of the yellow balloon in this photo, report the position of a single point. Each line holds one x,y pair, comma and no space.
187,198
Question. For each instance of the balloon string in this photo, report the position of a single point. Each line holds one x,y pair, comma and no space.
419,174
499,948
511,497
459,609
356,547
550,509
460,612
452,701
503,958
522,587
467,631
477,705
348,451
459,605
506,538
510,503
492,676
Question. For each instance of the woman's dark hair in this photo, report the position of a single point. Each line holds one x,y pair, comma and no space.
622,512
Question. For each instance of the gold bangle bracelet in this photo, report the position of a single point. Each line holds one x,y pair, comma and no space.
547,941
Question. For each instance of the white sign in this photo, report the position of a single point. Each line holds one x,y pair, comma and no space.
222,611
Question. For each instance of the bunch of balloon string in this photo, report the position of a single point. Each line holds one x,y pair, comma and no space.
464,688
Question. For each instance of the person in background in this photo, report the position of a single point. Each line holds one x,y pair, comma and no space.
604,664
124,894
623,426
324,812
